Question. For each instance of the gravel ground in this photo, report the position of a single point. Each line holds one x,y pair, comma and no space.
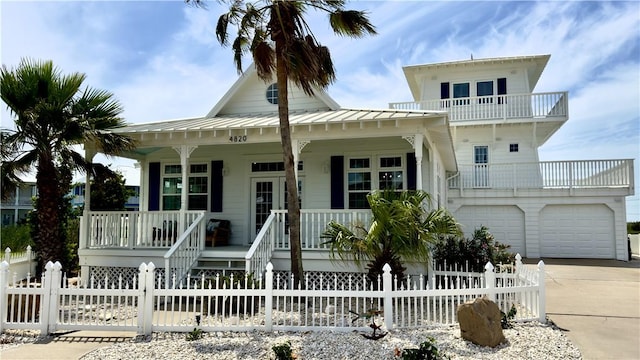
525,341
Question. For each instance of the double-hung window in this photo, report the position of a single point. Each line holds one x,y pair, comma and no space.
172,187
359,182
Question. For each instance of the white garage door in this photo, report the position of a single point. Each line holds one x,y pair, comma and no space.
577,231
506,223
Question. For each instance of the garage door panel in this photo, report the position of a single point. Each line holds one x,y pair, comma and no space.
505,223
577,231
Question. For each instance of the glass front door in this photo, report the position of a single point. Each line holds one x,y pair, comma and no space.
268,194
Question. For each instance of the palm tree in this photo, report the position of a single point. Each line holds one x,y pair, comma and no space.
280,41
401,230
53,116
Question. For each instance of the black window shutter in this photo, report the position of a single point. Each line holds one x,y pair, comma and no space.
216,186
502,86
502,90
154,186
411,171
444,90
337,182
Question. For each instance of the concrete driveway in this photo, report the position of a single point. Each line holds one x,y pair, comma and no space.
597,303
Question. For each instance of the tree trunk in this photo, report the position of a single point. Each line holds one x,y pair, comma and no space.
289,168
48,239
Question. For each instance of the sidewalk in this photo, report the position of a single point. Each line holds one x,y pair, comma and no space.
72,345
597,303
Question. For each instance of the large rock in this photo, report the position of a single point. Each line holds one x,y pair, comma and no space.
480,322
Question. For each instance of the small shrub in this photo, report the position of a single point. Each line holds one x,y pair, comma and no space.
633,227
195,334
506,318
426,351
475,252
283,351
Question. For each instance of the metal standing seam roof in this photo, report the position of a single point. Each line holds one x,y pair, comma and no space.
242,121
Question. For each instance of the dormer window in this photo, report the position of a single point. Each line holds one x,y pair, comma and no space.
272,94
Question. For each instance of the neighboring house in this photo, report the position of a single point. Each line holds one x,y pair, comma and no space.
132,204
470,139
18,205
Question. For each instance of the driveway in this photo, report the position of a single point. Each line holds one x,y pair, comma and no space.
597,303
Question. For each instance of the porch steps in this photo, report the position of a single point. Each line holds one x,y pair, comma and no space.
222,260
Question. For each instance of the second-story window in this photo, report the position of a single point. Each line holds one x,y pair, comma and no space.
461,92
484,91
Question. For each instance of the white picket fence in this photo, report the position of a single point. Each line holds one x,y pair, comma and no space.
327,301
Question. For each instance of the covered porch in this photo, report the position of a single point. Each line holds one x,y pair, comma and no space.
177,240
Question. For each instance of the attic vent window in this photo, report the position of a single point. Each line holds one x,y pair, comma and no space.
272,94
513,147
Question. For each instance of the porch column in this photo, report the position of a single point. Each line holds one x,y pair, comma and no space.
142,169
89,153
416,142
184,151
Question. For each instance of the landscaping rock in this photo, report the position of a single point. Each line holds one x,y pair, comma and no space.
480,322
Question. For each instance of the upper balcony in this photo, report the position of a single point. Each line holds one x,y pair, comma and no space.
585,176
552,105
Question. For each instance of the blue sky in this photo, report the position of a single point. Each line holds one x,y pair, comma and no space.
162,61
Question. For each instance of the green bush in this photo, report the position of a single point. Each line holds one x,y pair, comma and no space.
16,237
283,351
475,252
633,227
426,351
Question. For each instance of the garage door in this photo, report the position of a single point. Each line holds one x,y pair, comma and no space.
577,231
506,223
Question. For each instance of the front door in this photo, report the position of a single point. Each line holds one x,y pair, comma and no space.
268,193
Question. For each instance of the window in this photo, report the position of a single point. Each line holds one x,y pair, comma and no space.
272,94
461,91
390,174
272,166
359,182
484,88
197,198
198,187
513,147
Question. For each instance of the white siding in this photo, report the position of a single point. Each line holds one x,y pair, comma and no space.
577,231
251,98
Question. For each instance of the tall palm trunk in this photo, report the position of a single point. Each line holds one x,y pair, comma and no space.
293,207
48,239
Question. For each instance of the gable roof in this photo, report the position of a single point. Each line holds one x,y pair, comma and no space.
251,74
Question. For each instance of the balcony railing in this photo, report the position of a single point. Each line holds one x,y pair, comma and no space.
495,107
546,175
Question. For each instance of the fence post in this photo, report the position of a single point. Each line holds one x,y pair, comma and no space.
387,289
7,255
149,286
4,278
142,269
268,298
542,317
490,281
49,304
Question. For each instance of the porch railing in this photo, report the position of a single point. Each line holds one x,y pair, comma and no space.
261,250
511,106
546,175
134,229
274,234
179,260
